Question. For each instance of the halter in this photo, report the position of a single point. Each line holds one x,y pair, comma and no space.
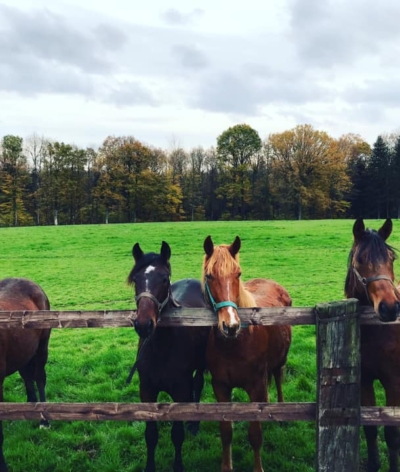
159,305
218,306
365,281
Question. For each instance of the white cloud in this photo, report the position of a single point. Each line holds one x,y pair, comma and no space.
79,71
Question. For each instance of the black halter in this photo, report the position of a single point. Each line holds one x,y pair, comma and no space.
159,305
365,281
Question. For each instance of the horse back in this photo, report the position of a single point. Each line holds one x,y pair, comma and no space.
22,294
268,293
18,346
188,293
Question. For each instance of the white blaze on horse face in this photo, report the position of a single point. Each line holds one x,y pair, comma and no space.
148,270
232,314
231,310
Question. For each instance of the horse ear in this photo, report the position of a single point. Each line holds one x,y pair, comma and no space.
235,246
208,246
137,252
358,229
386,230
165,251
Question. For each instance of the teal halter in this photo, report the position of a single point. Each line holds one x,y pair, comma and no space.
219,305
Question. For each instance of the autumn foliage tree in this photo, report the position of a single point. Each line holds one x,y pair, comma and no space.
308,173
14,180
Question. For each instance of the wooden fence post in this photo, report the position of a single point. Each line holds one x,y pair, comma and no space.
338,386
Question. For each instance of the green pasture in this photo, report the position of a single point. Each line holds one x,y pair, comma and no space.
85,267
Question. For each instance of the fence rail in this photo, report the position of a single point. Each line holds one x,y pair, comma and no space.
112,411
174,317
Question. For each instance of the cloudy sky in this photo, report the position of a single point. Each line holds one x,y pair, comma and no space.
183,71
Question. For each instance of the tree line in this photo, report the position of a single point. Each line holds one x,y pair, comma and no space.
302,173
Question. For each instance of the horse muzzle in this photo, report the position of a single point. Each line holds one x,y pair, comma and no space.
144,328
388,313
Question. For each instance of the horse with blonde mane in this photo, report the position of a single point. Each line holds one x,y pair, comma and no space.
242,357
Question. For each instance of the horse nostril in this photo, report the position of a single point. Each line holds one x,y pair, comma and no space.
397,309
388,313
382,308
225,328
144,330
230,331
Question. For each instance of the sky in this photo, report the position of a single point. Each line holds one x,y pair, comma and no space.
175,72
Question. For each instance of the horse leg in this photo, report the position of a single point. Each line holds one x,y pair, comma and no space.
257,393
183,393
151,431
3,465
223,393
40,371
371,432
198,384
392,435
29,373
177,437
278,376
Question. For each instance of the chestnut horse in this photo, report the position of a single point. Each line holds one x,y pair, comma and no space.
167,356
23,350
237,357
370,279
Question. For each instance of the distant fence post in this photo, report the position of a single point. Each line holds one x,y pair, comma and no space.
338,386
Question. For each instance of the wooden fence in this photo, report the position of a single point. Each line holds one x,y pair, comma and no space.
337,411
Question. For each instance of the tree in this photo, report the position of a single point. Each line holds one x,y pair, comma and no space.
356,153
35,148
395,176
14,178
235,147
308,172
379,168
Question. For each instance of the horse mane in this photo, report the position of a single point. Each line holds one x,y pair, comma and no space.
222,264
374,251
146,260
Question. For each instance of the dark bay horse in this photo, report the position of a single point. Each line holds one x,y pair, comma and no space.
170,359
237,357
370,279
23,350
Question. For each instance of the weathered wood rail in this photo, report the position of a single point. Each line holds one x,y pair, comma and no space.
337,411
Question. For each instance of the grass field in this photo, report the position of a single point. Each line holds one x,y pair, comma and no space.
85,267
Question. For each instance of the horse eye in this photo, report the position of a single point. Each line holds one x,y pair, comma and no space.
209,277
239,274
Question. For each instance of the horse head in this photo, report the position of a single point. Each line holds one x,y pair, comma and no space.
151,278
370,274
221,282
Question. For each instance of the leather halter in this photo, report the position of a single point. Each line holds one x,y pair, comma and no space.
365,281
217,306
159,305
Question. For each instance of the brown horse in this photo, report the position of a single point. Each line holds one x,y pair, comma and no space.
170,359
370,279
237,357
23,350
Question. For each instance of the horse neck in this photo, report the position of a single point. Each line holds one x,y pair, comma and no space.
246,299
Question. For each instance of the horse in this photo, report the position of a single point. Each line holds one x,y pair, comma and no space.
244,358
370,279
167,356
23,350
